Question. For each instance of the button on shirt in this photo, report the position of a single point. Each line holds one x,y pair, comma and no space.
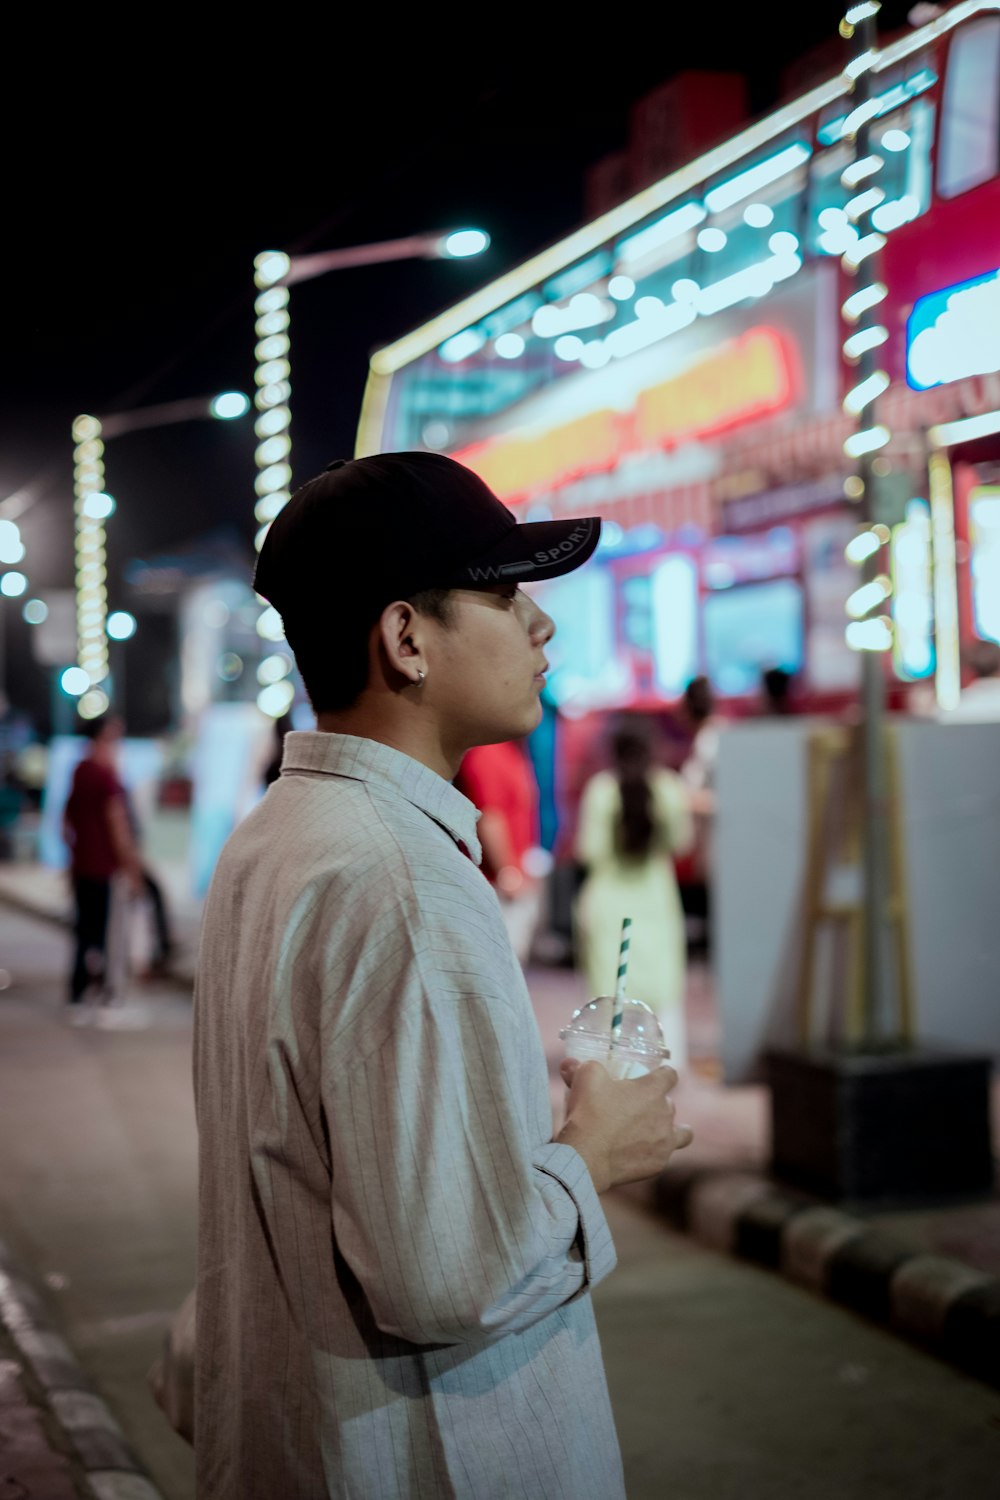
394,1258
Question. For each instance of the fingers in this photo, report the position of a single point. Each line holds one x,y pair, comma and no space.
683,1135
571,1068
663,1078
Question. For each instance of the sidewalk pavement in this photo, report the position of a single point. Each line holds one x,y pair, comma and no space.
930,1274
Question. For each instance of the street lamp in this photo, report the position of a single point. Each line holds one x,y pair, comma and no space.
93,506
274,273
869,629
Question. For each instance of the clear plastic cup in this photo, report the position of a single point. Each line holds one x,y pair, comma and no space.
637,1049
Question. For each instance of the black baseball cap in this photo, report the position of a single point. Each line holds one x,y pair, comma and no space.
370,530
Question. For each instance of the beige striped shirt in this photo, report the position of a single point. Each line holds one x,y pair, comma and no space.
394,1259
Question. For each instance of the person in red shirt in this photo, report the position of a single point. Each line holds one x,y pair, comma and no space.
500,781
96,828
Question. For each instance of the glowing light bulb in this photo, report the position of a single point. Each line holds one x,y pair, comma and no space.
509,346
74,681
712,239
621,288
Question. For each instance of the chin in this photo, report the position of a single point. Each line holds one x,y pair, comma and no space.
515,728
532,719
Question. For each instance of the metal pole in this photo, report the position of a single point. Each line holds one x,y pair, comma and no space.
860,177
415,247
879,1011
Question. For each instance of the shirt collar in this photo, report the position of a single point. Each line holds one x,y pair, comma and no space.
381,766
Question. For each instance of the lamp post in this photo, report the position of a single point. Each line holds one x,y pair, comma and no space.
870,628
274,273
93,506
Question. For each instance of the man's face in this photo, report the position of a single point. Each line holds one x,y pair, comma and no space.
487,666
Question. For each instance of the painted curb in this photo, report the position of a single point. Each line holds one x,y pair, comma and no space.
112,1469
949,1308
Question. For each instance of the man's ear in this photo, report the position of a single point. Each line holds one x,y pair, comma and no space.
401,636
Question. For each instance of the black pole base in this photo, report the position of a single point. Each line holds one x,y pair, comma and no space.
904,1127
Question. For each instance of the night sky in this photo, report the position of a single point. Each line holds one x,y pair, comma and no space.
147,176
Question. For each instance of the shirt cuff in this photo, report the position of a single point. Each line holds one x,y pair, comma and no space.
570,1170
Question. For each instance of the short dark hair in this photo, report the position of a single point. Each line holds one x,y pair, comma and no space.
93,729
777,686
699,699
335,672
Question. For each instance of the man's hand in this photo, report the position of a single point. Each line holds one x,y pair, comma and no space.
623,1128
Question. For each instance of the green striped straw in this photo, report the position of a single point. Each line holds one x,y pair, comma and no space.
616,1023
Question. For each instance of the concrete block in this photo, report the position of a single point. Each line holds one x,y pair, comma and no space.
861,1270
762,1226
971,1335
716,1203
922,1290
810,1242
863,1127
96,1437
52,1363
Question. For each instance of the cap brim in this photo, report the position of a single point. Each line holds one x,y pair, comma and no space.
533,552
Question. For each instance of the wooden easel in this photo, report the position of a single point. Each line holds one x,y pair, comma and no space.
835,810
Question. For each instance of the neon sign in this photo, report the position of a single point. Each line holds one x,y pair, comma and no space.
952,333
746,378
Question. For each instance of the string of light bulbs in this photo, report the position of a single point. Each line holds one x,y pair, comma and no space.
272,454
869,626
92,506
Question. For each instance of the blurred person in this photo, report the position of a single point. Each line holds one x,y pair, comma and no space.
979,701
152,890
103,855
698,773
705,722
500,781
775,692
395,1257
634,819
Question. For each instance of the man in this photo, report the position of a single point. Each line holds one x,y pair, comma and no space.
97,829
395,1259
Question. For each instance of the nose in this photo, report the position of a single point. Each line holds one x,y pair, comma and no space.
542,627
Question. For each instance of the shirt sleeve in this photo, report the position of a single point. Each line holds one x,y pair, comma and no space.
458,1227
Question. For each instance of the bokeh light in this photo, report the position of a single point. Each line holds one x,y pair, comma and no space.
121,625
74,681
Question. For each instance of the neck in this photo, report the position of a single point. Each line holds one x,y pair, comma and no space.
412,734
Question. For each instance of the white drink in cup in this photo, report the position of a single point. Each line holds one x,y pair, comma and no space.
636,1048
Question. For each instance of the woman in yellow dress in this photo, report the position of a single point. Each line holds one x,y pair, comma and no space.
633,819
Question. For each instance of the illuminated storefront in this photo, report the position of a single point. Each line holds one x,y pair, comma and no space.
675,366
